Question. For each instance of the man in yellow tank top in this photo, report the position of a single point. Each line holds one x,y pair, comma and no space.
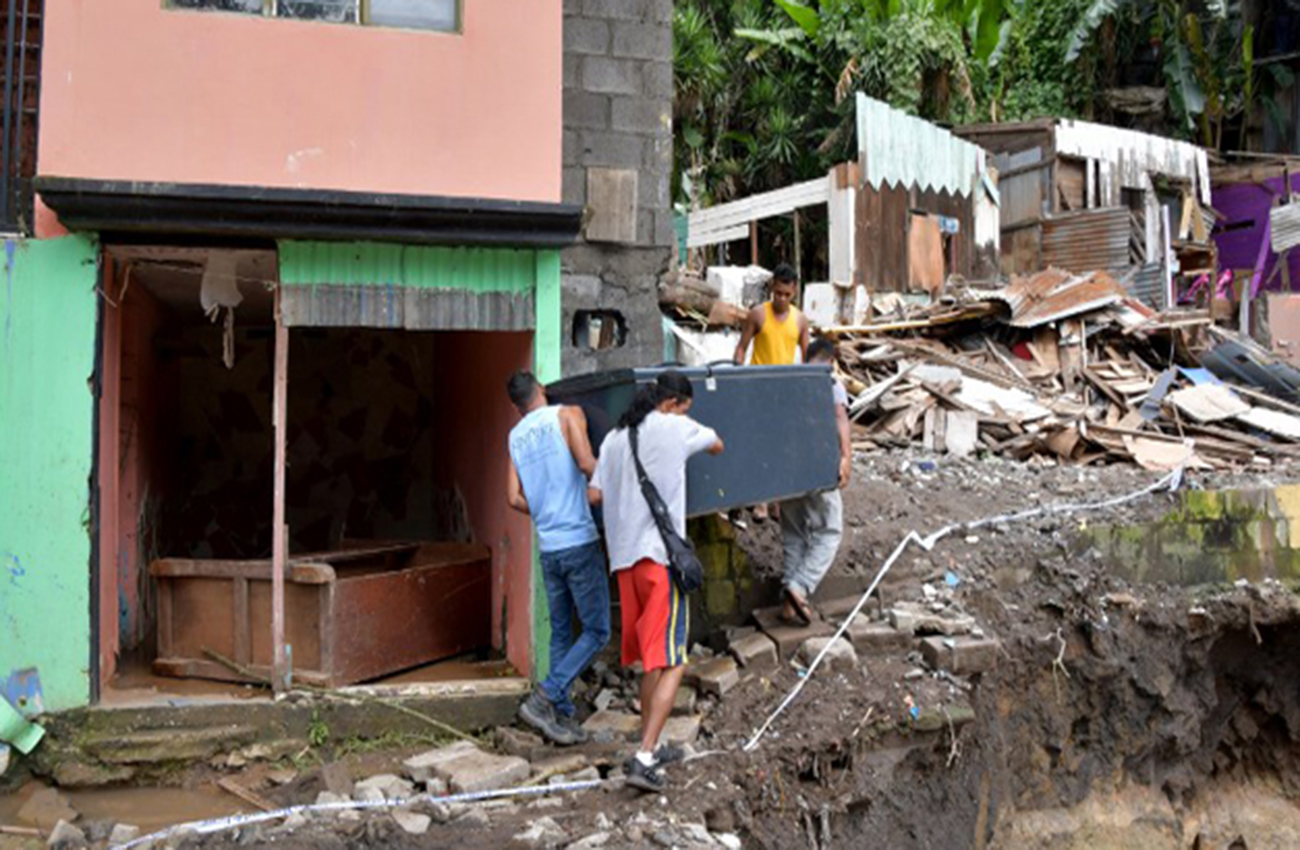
777,328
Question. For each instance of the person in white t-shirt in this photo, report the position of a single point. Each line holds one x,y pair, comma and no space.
655,615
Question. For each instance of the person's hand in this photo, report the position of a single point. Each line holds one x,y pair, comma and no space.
846,470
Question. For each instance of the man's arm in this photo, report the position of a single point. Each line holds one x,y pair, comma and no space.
574,422
594,496
515,490
803,337
846,444
717,448
753,324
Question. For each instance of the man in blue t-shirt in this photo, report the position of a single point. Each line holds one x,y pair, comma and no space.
550,463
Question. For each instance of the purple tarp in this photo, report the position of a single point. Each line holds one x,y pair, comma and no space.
1242,236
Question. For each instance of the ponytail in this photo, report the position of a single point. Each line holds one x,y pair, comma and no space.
669,386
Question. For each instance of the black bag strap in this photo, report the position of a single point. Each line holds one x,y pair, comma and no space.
658,510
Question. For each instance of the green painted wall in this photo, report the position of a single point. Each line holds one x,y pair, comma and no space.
547,339
47,358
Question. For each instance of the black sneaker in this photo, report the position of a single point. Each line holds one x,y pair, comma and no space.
538,713
643,778
574,728
669,754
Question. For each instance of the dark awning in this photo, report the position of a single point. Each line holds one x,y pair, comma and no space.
260,212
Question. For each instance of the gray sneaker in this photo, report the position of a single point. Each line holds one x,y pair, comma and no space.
580,735
538,712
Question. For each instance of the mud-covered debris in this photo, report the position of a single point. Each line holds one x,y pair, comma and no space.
412,823
840,655
715,676
385,786
65,836
45,808
543,832
755,652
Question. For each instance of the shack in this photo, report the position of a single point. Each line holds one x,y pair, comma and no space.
1083,196
916,207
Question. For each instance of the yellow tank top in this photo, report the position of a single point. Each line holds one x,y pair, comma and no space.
777,342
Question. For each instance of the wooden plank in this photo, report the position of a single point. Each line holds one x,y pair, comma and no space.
198,668
962,432
279,531
781,201
1208,402
166,618
243,634
301,573
230,786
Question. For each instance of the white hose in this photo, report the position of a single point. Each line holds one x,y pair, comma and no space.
234,821
1170,481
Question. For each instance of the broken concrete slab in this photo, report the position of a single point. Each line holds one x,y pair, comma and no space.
715,676
326,798
337,779
517,742
915,619
591,842
618,723
125,832
387,785
543,832
877,638
412,823
684,700
155,746
479,771
682,730
65,836
963,656
420,767
788,638
840,655
755,652
45,808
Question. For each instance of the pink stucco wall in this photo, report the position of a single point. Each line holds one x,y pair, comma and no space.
131,90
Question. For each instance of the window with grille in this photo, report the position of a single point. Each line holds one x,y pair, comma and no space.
22,94
437,15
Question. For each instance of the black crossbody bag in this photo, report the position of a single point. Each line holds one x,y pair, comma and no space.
683,564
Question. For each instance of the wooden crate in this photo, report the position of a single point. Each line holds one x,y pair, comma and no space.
350,615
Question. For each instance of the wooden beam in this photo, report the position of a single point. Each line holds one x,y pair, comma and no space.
280,672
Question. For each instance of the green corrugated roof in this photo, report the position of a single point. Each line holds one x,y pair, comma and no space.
383,264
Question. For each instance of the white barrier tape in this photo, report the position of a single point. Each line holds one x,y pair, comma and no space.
235,821
1170,482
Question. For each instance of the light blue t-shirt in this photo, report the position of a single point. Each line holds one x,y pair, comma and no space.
555,488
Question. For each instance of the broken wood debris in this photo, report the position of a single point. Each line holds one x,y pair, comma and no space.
1059,367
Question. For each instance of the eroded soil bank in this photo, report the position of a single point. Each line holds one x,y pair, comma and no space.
1118,714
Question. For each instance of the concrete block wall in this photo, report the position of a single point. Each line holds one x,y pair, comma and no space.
618,100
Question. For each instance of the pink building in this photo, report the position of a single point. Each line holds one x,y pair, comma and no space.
287,253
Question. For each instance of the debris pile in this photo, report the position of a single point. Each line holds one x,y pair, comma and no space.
1067,367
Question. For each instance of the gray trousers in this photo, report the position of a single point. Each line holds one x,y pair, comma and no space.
811,527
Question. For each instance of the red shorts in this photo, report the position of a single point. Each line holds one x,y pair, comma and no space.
656,618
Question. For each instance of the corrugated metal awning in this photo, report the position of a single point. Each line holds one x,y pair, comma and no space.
410,287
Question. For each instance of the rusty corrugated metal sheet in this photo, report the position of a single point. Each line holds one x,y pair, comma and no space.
1148,285
1051,295
406,307
414,287
1090,239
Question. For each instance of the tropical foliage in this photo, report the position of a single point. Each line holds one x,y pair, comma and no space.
764,87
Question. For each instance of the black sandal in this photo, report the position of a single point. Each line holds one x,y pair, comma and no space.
802,609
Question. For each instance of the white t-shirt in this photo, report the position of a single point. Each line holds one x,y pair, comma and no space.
665,442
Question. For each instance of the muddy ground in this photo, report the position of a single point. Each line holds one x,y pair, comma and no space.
1116,715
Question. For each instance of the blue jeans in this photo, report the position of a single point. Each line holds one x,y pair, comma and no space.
575,578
